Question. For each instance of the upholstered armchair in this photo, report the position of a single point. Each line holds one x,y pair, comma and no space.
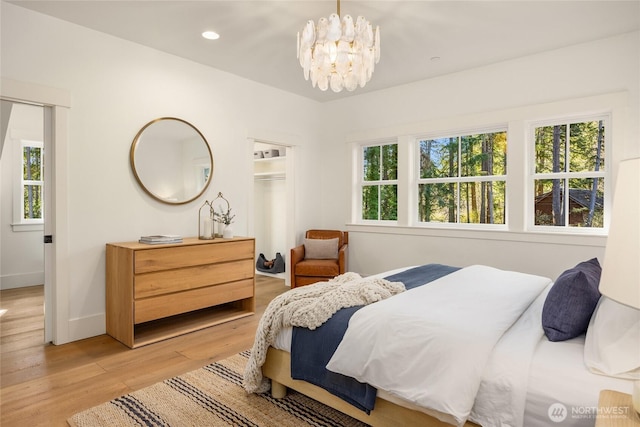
322,257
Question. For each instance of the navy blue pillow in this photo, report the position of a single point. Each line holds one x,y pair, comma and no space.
571,301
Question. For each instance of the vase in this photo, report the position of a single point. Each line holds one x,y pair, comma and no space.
228,232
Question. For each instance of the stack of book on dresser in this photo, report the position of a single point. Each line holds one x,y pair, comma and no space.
161,239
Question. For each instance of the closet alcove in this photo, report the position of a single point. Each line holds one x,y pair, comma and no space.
271,202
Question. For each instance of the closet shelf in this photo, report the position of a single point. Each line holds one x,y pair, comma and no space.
269,175
270,159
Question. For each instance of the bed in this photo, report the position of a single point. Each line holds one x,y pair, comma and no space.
513,375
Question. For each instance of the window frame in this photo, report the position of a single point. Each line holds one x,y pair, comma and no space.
518,118
605,173
20,223
417,180
361,183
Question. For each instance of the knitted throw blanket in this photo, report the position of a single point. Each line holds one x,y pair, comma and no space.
309,307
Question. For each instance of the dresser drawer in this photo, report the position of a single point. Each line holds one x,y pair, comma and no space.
168,258
161,306
182,279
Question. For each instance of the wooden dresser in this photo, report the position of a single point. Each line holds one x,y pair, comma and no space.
155,292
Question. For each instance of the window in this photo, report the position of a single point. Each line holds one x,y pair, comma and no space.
449,175
379,182
569,171
462,179
31,188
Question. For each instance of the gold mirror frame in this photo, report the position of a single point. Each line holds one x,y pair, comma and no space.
171,160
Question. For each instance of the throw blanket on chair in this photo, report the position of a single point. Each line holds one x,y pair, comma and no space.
309,307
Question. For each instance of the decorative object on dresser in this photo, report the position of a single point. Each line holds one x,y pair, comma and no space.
224,218
322,257
212,224
206,222
161,291
158,239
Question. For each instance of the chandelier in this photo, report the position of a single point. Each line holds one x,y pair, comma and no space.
339,53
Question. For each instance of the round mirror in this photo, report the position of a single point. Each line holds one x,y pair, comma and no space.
171,160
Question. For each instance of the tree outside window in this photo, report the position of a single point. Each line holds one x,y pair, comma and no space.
379,182
462,179
569,174
32,181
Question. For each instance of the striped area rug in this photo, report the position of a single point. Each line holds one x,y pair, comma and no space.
210,396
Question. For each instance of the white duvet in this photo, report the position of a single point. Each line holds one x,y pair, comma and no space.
432,344
502,395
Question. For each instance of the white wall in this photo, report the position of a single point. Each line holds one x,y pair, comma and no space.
116,88
508,88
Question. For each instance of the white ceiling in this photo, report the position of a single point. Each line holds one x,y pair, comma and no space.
258,38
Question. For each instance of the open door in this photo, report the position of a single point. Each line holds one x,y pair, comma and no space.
49,266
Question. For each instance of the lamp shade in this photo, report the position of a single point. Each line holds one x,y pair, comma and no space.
620,278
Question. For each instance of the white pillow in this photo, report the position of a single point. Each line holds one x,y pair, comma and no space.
321,248
612,344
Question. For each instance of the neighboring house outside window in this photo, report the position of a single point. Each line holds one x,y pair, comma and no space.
569,173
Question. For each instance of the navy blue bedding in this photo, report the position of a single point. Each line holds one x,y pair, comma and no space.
312,350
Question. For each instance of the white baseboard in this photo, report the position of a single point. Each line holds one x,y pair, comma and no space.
21,280
87,327
275,275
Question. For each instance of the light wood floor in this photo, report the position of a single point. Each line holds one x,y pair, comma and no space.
43,385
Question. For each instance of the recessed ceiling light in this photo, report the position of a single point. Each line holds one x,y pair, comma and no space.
211,35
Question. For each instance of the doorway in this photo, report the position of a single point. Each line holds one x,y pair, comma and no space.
273,218
56,104
22,210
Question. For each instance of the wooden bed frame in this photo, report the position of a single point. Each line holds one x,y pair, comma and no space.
277,367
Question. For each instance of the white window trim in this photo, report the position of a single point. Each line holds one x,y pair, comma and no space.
357,154
459,179
518,120
533,176
21,224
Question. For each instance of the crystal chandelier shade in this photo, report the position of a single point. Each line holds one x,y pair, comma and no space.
339,53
